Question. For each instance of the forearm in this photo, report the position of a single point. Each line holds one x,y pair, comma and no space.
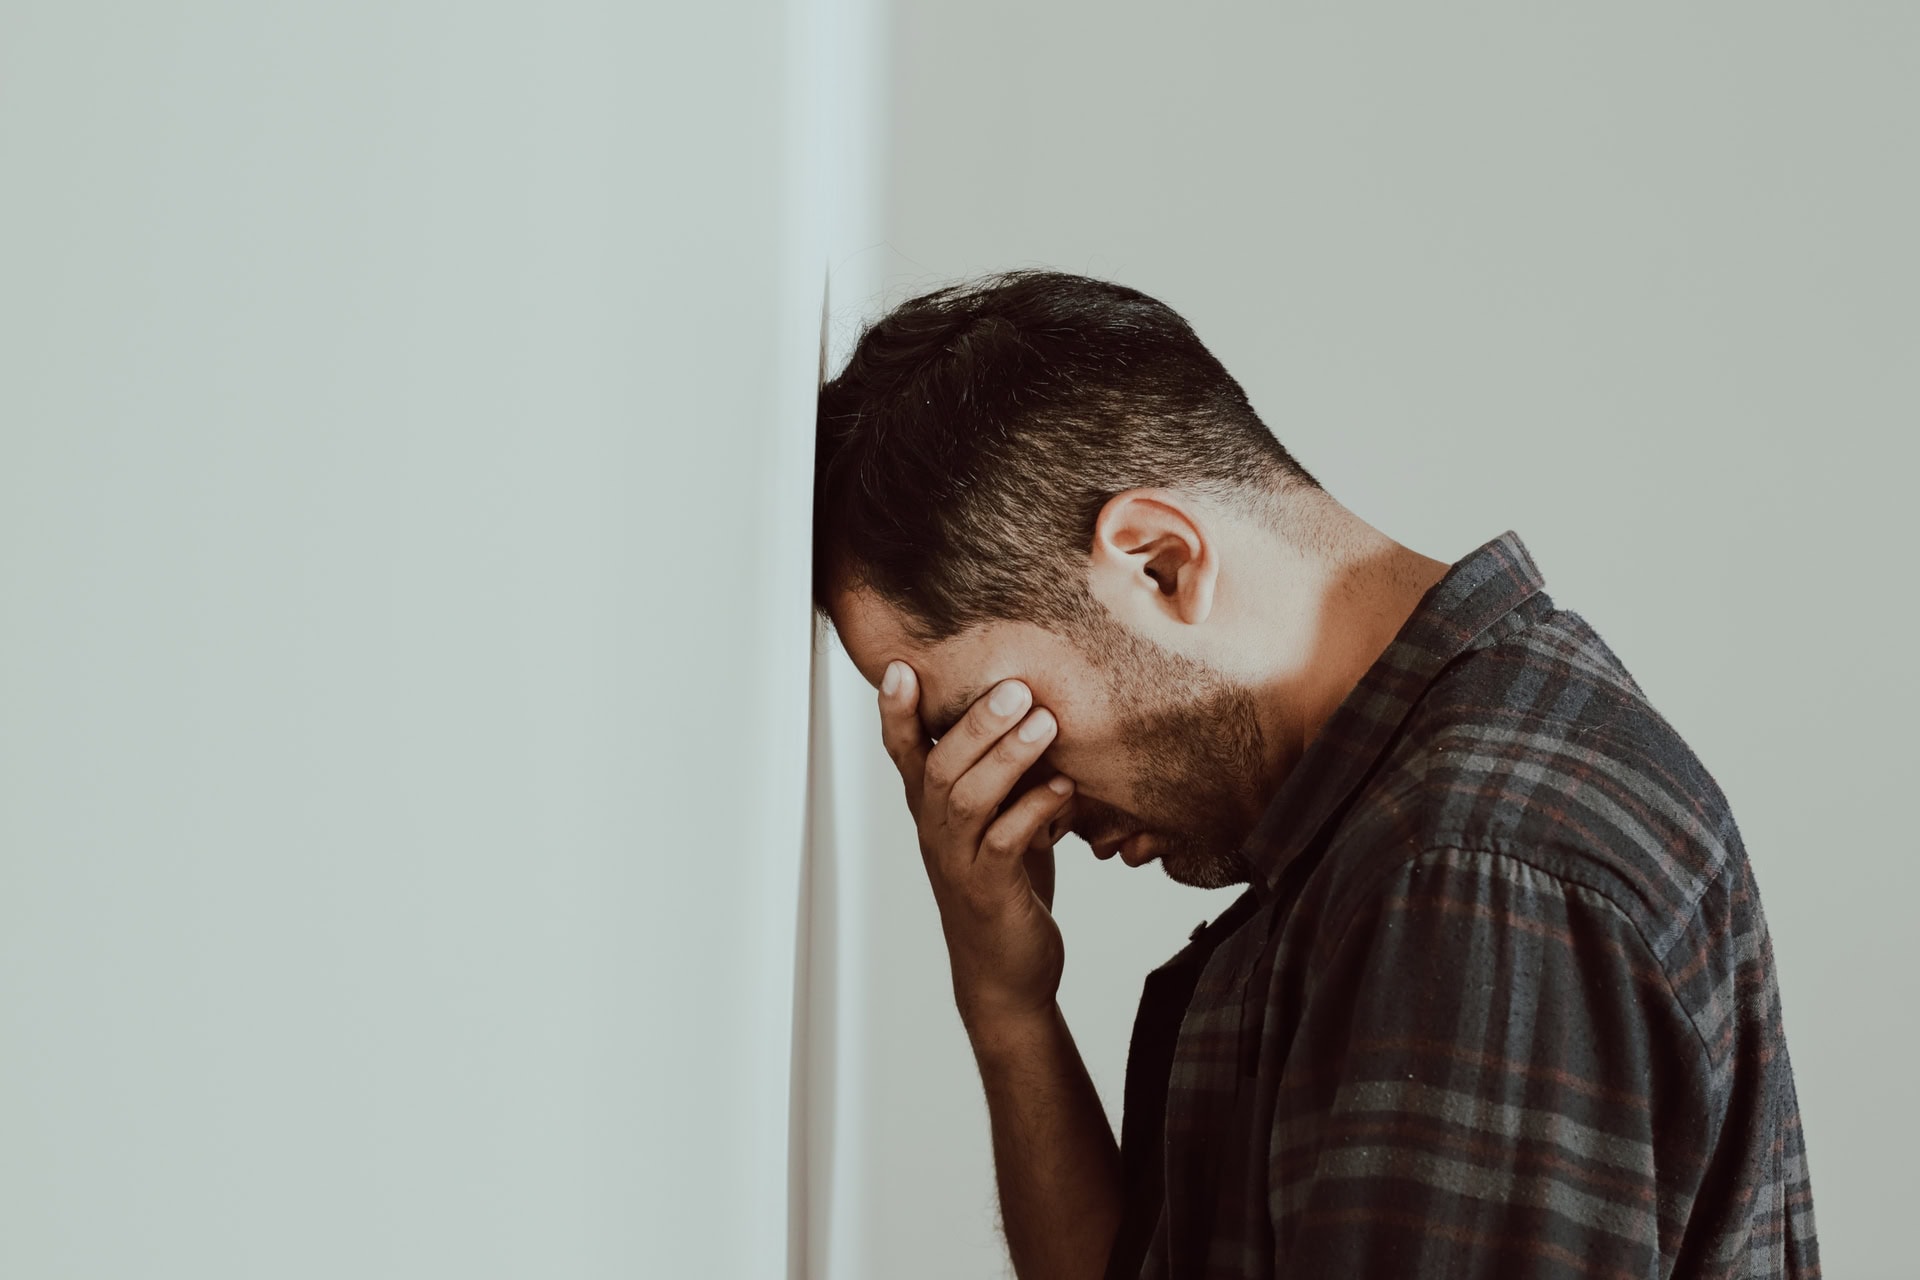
1054,1156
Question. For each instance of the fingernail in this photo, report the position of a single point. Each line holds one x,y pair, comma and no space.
1008,698
890,682
1060,783
1035,725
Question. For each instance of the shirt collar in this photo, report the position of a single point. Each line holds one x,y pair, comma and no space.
1461,612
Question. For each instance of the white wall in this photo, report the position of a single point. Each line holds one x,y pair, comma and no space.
404,418
405,414
1636,281
832,1076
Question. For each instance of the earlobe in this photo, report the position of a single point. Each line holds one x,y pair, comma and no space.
1150,551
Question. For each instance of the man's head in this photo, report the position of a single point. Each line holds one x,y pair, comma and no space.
1042,476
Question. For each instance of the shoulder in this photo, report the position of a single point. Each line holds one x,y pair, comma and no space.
1541,750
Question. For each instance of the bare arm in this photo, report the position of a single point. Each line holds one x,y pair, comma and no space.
990,864
1054,1156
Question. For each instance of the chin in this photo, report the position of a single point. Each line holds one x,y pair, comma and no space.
1205,869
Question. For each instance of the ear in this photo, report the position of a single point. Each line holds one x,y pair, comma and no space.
1152,558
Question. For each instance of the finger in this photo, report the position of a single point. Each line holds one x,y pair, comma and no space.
1004,847
986,721
900,730
983,789
1037,773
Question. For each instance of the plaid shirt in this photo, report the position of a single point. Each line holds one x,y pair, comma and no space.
1499,1001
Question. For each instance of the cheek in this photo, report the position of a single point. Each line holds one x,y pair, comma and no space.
1097,766
1091,747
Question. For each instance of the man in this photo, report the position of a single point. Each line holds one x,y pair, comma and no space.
1499,998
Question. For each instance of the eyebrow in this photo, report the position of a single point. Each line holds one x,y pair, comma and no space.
941,722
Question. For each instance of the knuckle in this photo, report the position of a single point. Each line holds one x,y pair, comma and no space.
1010,750
1000,844
975,719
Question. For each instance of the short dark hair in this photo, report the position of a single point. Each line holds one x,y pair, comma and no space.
964,453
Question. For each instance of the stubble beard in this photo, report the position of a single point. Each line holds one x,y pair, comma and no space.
1197,753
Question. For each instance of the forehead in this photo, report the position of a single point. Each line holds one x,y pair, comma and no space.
952,672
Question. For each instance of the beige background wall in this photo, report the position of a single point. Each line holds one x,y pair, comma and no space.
403,432
1635,280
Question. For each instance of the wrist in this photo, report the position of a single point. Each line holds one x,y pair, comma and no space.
1011,1036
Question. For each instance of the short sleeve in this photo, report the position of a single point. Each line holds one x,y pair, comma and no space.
1492,1078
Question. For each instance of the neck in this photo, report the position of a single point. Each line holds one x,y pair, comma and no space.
1333,601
